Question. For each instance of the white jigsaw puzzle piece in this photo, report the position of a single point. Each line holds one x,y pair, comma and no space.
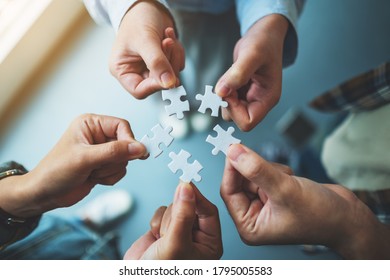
160,136
177,106
190,170
223,140
210,100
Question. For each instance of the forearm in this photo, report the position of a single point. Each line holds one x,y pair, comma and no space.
16,199
18,214
367,238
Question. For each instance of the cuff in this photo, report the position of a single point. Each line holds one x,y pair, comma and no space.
112,12
250,11
14,228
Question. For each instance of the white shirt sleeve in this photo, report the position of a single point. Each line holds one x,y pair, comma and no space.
109,11
250,11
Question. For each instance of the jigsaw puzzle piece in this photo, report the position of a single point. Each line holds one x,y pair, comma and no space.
223,139
177,106
160,136
210,100
190,170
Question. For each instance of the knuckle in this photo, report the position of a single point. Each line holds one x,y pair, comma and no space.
84,118
247,126
113,151
237,76
139,94
255,169
214,210
110,181
157,62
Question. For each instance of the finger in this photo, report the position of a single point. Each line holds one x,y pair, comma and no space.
157,63
155,222
166,221
247,114
183,215
167,46
179,53
114,152
108,170
139,86
116,128
170,33
112,179
105,128
226,115
169,49
238,74
98,128
232,193
174,51
284,168
139,247
207,213
256,169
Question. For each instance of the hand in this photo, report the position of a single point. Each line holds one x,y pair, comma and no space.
270,206
252,86
187,229
146,55
94,150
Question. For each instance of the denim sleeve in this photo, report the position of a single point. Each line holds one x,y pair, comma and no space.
250,11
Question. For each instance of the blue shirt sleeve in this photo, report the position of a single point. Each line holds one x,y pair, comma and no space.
109,11
250,11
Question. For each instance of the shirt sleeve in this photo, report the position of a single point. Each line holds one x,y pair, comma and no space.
110,12
250,11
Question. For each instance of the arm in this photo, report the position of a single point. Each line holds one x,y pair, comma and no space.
94,150
271,206
252,86
251,11
188,229
146,56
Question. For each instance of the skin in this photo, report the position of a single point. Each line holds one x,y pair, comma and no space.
147,57
94,150
271,206
187,229
252,85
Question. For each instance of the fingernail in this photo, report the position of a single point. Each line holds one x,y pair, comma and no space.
168,80
235,151
186,192
136,148
223,90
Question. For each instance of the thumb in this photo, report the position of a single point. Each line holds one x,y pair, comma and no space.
237,76
158,64
183,214
138,248
115,151
256,169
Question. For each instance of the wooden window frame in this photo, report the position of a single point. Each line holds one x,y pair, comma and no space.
38,35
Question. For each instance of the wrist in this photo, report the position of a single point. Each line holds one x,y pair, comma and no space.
16,221
16,197
142,7
365,238
275,24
